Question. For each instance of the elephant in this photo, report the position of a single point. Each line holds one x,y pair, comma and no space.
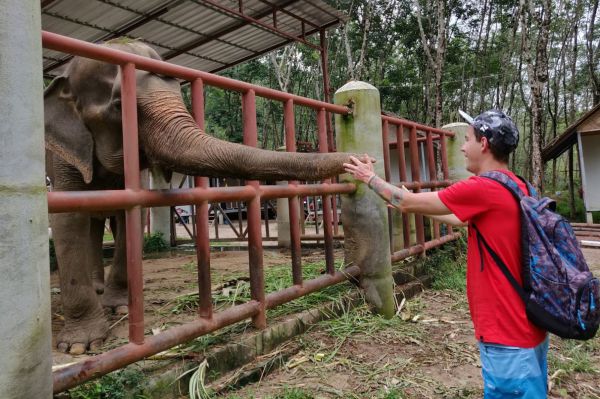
84,151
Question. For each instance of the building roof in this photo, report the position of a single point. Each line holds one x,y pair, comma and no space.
587,123
208,35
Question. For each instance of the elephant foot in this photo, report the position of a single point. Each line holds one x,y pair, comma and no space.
117,299
80,334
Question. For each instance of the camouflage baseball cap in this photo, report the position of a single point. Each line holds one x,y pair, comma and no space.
497,127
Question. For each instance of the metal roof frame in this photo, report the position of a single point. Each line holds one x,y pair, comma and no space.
239,30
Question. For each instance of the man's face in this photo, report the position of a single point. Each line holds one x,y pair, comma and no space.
473,151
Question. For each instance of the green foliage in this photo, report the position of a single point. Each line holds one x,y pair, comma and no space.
155,243
563,208
123,384
448,267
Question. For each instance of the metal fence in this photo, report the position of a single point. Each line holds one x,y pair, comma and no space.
133,197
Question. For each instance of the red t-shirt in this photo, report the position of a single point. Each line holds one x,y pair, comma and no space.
497,312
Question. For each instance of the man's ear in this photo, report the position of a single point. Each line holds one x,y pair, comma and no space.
65,132
485,144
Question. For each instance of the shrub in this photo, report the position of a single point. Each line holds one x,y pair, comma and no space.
155,243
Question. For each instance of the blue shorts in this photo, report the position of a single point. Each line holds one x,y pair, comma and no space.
511,372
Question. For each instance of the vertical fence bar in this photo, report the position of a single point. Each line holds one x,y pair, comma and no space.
327,217
432,174
133,216
202,229
416,176
293,202
385,132
255,249
403,177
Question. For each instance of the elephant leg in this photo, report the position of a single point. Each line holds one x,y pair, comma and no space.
97,235
115,293
85,323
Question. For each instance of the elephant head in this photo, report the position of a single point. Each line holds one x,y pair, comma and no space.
83,125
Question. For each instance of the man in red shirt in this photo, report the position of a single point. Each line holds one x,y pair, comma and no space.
513,350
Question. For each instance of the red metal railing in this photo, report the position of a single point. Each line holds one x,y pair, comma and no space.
429,136
133,197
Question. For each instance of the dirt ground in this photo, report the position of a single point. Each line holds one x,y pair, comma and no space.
427,351
434,356
166,279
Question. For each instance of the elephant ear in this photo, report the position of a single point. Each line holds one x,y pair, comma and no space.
66,133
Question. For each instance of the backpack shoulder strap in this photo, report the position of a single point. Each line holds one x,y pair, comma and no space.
532,191
507,182
513,281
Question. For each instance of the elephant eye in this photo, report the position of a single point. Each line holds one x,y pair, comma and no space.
117,103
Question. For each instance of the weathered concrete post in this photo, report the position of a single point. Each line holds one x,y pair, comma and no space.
364,214
456,159
25,335
160,217
283,218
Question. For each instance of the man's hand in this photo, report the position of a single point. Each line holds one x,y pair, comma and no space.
361,169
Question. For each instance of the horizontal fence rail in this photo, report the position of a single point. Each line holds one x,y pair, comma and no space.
133,197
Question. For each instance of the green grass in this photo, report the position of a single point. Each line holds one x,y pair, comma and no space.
573,357
448,267
276,279
123,384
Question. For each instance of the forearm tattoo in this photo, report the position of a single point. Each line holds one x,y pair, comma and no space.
388,192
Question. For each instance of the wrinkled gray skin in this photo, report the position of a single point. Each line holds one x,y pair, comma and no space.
84,152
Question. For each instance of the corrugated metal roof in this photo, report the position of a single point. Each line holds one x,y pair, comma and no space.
209,35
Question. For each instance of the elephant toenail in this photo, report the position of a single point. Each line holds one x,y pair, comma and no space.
63,347
77,349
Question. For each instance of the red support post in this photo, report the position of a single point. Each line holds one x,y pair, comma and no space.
416,176
327,216
202,232
402,172
133,221
385,132
255,249
432,174
293,202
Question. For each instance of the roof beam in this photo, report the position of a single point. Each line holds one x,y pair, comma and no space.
197,43
291,14
109,33
254,21
272,48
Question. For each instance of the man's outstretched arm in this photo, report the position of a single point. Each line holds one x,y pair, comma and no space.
427,203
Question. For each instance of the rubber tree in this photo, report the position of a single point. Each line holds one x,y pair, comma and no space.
25,328
364,214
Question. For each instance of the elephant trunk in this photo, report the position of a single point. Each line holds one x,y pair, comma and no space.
171,137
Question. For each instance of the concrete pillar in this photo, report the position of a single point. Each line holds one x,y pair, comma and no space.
364,214
25,334
589,218
160,217
283,217
283,221
456,160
